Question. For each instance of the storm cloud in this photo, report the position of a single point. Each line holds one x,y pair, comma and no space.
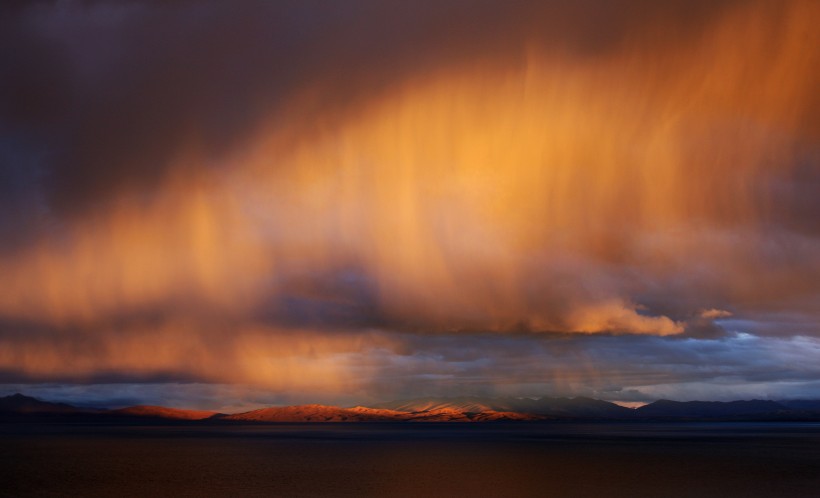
303,197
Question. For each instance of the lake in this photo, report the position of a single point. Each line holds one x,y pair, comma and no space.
437,459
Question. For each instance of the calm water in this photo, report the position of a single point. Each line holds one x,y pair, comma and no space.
505,460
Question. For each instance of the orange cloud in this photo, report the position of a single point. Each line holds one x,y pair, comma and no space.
543,192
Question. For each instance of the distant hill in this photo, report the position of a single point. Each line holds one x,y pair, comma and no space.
802,404
21,404
544,407
579,407
435,409
322,413
463,404
163,412
710,409
313,413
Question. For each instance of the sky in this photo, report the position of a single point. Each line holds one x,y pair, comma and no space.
229,205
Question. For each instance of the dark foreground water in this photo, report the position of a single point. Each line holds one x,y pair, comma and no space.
456,460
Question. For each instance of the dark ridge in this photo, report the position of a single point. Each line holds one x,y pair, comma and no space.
21,408
19,403
710,409
802,404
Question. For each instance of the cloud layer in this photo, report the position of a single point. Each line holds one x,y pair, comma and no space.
270,194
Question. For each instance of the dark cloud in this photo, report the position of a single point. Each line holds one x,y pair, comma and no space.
112,91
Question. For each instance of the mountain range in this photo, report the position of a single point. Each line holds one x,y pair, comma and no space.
459,409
